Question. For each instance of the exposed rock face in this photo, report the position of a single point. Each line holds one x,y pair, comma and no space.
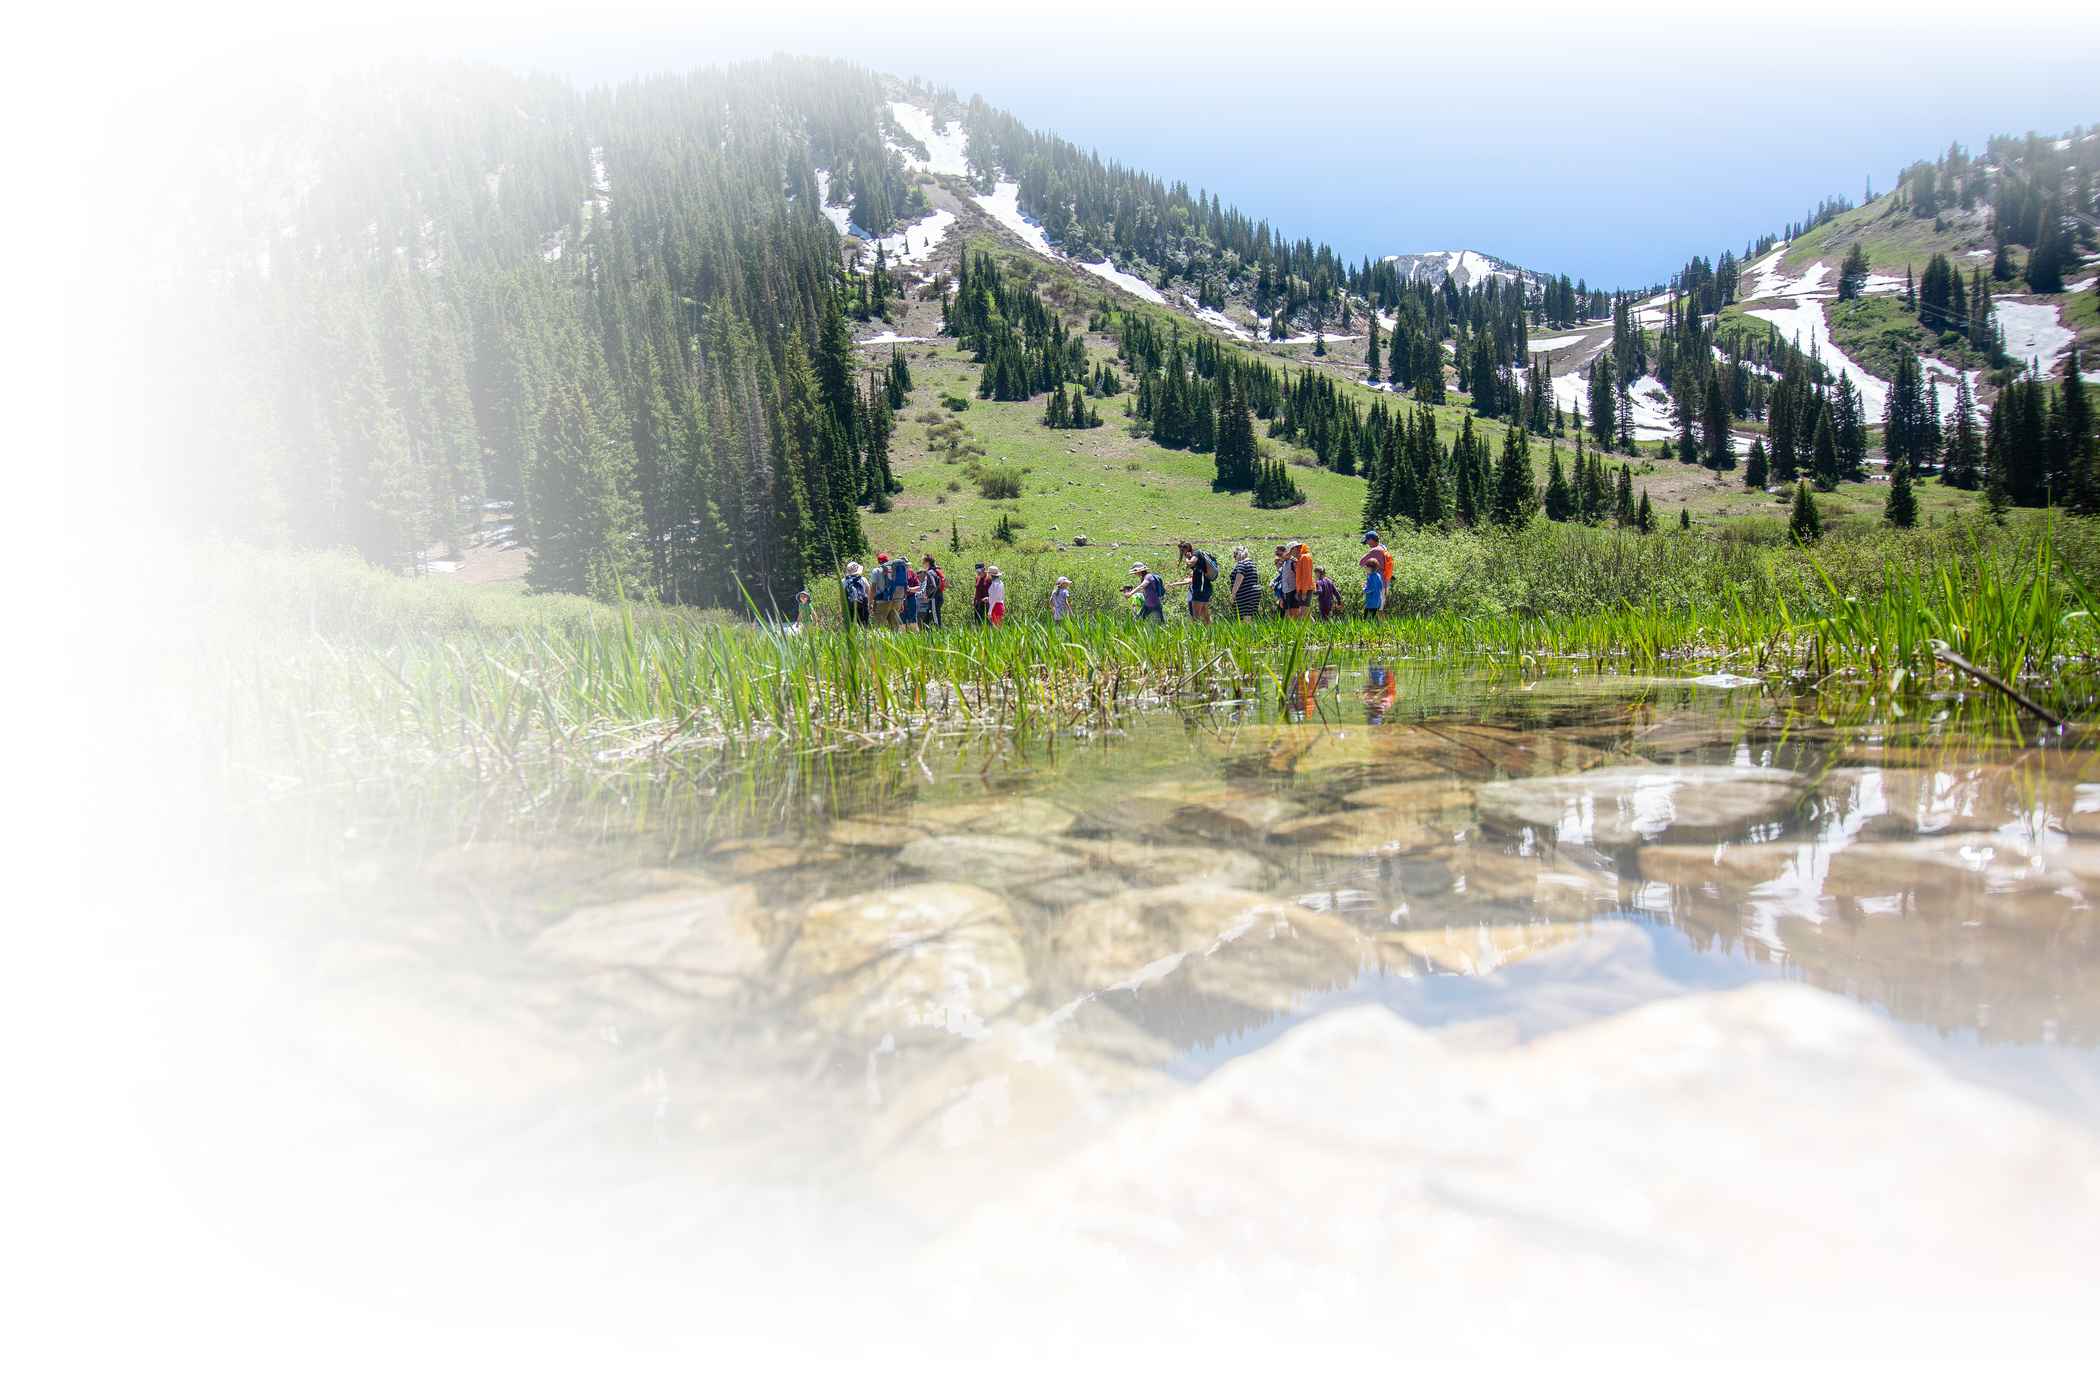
925,957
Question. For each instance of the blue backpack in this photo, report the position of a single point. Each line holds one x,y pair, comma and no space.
1154,590
900,576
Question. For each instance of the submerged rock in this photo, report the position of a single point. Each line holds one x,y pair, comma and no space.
1472,951
936,956
1000,861
1732,867
759,857
1145,863
1368,831
1251,947
1929,799
1996,863
1208,808
1622,806
708,940
1544,883
1772,1153
993,816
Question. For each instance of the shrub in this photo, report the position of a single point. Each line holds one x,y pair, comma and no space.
954,404
999,484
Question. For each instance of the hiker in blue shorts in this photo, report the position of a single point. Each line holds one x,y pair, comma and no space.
1202,579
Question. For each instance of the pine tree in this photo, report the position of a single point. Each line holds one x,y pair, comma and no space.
1516,490
1716,427
1823,466
1901,510
1560,500
1371,351
1644,519
1756,474
1805,525
1602,391
587,540
1684,518
1852,273
1624,503
1963,461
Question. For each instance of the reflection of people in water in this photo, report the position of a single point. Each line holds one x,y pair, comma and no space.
1381,689
1306,688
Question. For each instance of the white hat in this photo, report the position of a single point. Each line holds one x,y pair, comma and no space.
1139,569
1063,582
853,567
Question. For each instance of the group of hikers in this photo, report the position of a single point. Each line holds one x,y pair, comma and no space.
897,595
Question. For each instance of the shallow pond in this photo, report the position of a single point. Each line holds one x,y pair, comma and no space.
903,982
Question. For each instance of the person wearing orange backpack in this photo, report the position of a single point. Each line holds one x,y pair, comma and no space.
1378,566
1303,580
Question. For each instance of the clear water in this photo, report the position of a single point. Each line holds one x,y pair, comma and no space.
895,981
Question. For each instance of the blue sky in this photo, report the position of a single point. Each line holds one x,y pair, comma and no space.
1609,148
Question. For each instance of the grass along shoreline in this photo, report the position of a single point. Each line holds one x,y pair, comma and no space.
332,673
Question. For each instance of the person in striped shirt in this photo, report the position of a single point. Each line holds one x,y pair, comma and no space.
1244,587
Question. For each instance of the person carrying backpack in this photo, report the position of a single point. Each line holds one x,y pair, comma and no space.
984,589
1151,591
856,585
887,602
1303,581
995,597
908,590
1202,579
936,594
1245,587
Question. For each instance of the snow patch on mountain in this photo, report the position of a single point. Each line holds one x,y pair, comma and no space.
1129,282
1652,418
1939,375
945,145
1558,342
2033,331
1217,319
1774,283
914,245
840,216
1655,310
1463,266
1763,276
1004,205
1805,323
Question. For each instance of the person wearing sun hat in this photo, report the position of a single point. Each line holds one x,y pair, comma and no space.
1151,591
1061,600
995,595
856,586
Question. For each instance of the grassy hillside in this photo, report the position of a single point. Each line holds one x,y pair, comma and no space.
1893,237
